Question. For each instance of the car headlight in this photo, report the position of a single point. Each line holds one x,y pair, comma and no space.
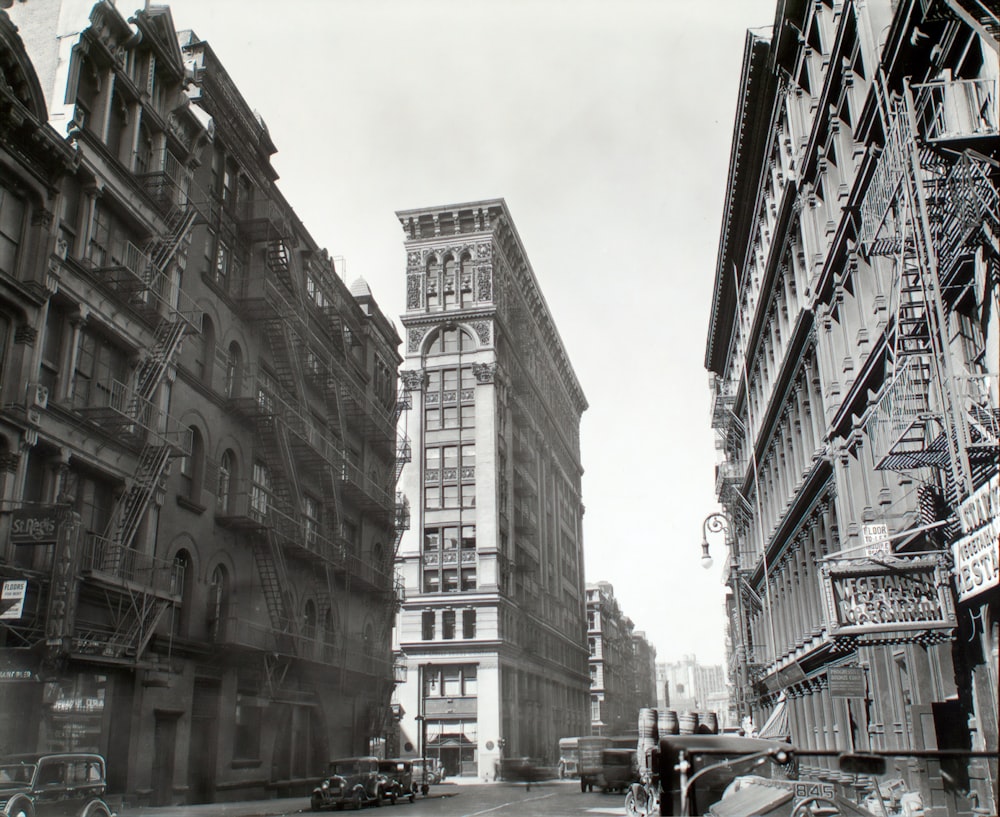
326,785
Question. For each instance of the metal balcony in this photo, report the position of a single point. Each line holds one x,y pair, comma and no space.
957,113
127,569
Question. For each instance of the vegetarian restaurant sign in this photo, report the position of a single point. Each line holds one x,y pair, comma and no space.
976,567
906,595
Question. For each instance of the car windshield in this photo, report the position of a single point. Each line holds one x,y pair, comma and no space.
16,772
343,767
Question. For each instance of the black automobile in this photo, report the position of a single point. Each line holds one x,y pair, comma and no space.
351,781
70,784
398,776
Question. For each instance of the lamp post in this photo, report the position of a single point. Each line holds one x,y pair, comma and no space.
421,720
716,523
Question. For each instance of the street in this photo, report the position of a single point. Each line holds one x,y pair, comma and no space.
551,798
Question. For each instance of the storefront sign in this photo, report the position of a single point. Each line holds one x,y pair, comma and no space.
37,526
846,682
907,595
976,553
12,599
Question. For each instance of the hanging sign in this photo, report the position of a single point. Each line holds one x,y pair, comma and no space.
976,562
908,595
12,599
876,539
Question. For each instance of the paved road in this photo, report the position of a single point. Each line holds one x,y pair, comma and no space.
547,799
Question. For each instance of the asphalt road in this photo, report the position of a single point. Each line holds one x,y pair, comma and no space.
550,798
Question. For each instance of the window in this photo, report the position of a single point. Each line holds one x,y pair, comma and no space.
259,491
234,371
468,624
246,738
192,467
311,517
224,485
449,399
427,625
218,601
100,252
449,476
223,263
448,624
11,222
101,368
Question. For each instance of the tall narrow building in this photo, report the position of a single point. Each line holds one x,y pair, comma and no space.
493,628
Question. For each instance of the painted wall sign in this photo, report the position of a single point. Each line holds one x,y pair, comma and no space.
876,539
35,526
977,566
907,595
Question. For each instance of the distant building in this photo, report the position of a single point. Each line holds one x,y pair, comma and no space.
687,686
622,665
197,428
492,628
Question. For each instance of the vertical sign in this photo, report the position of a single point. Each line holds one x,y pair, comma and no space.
65,589
977,561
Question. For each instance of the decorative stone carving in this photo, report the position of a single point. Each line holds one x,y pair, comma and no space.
482,329
413,379
414,291
414,337
484,372
484,283
26,334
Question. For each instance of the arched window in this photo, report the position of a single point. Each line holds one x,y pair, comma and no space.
193,468
451,340
224,484
182,581
465,286
234,370
260,491
218,602
204,350
450,283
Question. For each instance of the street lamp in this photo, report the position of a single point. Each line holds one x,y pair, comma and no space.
716,523
713,523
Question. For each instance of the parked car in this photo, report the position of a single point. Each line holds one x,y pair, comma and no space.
619,769
399,779
434,773
69,784
350,781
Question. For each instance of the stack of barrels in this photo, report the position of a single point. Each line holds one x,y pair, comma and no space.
660,723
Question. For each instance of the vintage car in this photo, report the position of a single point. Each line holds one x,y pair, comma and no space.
351,781
399,779
619,769
69,784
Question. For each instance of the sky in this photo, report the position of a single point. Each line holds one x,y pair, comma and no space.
606,127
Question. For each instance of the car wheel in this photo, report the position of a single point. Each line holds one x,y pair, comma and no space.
359,801
315,802
20,809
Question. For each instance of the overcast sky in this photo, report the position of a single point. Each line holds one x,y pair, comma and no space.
606,127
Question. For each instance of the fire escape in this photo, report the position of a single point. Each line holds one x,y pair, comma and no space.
139,588
932,208
305,330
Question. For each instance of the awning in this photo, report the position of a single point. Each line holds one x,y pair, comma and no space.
776,726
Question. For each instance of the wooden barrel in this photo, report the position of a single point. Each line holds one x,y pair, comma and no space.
666,723
647,724
708,722
688,723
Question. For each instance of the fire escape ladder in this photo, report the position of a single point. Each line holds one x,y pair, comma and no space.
135,500
162,249
137,626
273,575
150,372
